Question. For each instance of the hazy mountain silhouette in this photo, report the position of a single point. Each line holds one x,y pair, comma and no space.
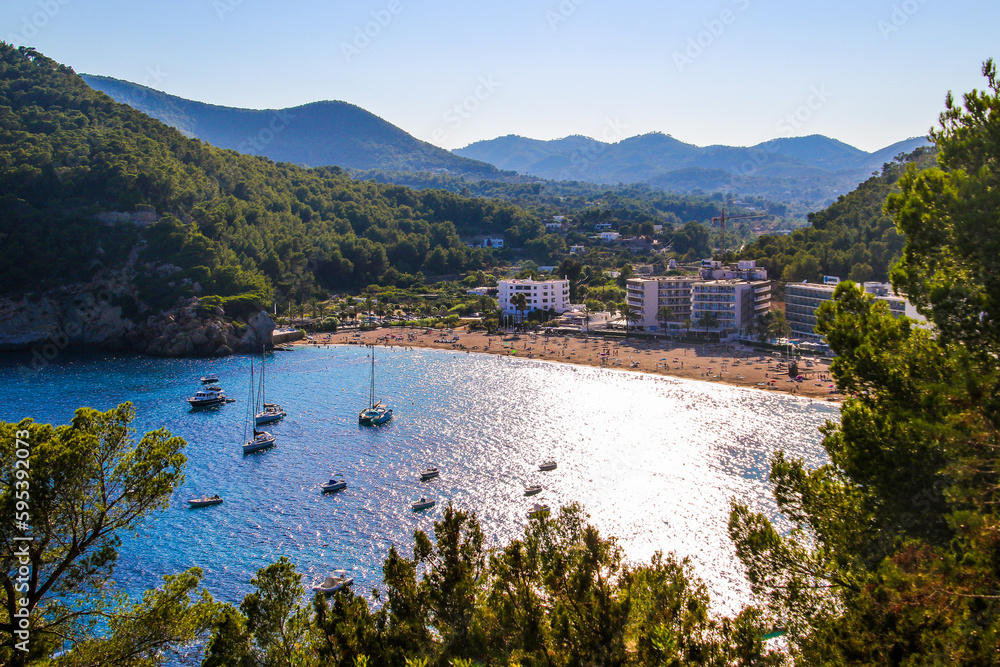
811,169
320,133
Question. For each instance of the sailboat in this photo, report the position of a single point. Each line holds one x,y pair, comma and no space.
270,412
375,413
261,439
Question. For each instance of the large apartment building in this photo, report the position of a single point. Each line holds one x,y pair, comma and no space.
647,295
802,300
735,303
539,294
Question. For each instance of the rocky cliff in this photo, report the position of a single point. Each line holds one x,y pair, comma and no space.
92,316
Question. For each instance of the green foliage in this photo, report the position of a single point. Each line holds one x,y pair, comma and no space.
89,482
229,224
561,595
852,238
166,624
895,543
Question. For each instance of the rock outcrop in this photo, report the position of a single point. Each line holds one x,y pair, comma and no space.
192,330
258,333
93,318
89,316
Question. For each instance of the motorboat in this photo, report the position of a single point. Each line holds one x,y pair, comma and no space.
547,465
422,504
205,501
533,490
207,397
333,485
210,379
333,582
429,473
538,510
261,440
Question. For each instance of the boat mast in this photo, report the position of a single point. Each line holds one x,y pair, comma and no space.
261,395
251,407
371,393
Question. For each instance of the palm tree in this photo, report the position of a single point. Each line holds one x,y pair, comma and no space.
586,318
520,303
629,314
709,320
688,323
664,315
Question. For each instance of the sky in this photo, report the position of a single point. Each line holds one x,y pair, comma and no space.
733,72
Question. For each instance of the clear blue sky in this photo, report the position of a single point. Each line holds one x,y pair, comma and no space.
736,72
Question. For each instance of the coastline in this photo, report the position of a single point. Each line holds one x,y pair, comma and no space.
726,364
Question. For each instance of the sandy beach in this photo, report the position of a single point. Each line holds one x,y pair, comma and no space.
727,364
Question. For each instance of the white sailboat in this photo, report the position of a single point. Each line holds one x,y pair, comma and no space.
376,413
261,439
269,412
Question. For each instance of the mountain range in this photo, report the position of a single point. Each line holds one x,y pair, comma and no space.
312,135
814,168
807,172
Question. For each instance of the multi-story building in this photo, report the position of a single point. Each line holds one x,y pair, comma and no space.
802,300
744,270
735,305
647,295
540,294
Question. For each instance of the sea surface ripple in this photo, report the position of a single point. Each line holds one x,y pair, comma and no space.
654,460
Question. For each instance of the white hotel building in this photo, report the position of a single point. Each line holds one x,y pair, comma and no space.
540,295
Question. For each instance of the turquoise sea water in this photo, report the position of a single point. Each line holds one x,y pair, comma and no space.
654,460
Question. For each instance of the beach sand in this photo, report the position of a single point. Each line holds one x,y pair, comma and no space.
726,364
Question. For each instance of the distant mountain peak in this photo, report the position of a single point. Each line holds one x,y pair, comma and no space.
327,132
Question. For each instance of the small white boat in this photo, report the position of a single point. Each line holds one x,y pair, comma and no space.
333,485
547,465
207,397
429,473
205,501
422,504
533,490
333,582
272,412
261,440
210,379
538,510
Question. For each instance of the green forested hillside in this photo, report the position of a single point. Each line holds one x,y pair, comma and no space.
315,134
230,223
853,238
